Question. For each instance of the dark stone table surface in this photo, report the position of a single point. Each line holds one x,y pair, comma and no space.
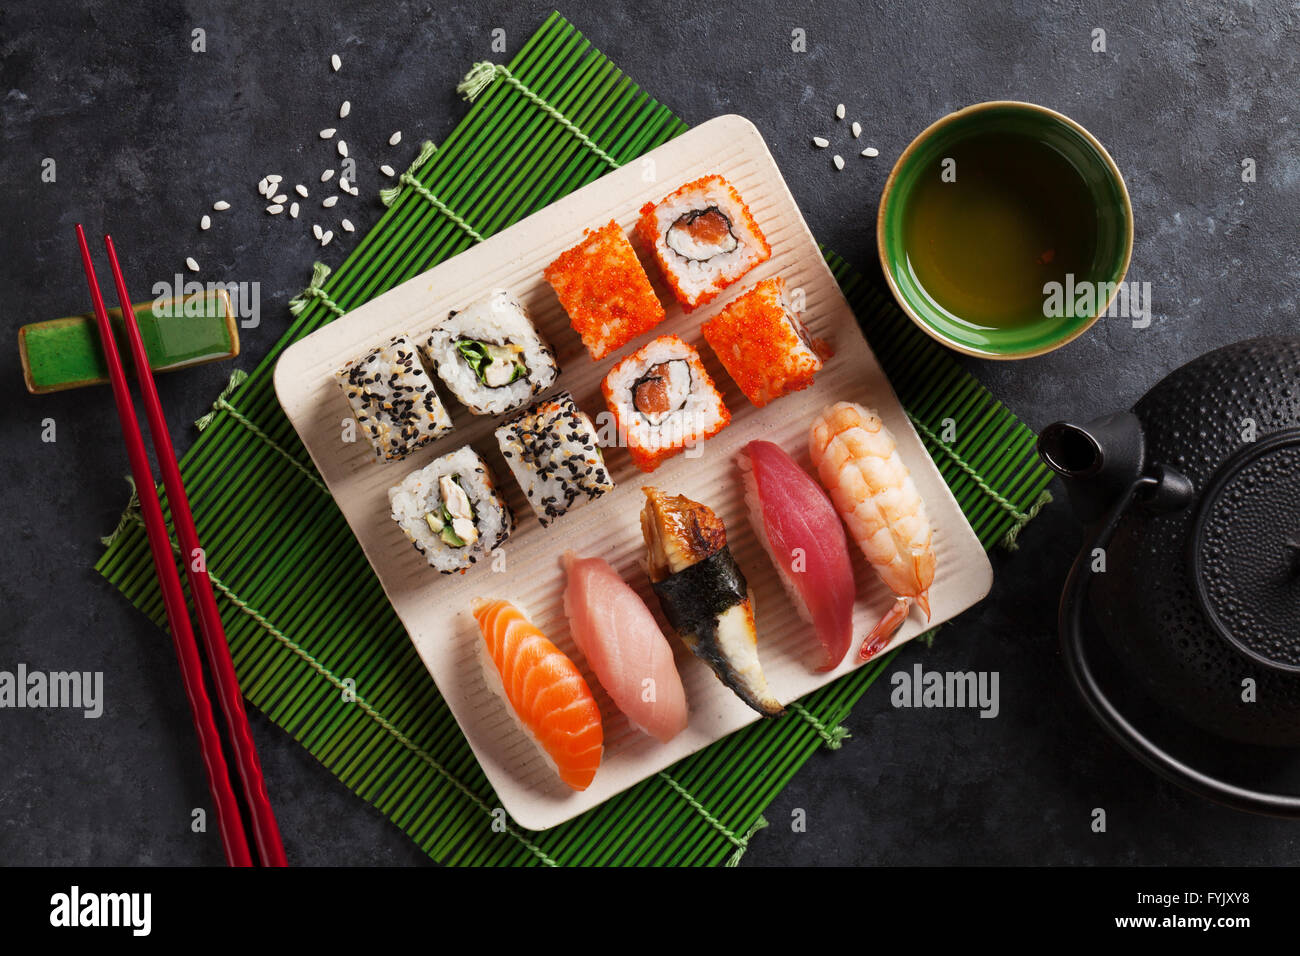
145,134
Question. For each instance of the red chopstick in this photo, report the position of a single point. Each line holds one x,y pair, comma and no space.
265,830
226,808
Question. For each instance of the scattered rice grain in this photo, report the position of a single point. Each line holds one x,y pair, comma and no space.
275,209
274,178
345,109
221,205
281,198
395,138
857,129
343,183
839,111
205,222
336,62
293,211
301,190
327,175
330,201
193,266
325,239
327,132
871,151
387,170
347,225
821,142
343,149
838,161
315,230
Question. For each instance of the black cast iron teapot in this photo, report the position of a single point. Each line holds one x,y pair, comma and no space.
1191,555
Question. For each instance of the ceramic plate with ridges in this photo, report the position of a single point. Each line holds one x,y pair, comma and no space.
435,608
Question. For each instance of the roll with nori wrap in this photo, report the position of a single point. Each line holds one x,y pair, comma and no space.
703,593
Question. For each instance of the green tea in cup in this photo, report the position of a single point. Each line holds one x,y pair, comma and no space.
989,210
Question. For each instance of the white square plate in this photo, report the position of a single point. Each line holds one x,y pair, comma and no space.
435,608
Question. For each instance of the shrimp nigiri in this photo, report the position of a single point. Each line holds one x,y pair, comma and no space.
858,463
545,690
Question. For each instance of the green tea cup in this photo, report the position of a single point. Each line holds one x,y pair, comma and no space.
1103,214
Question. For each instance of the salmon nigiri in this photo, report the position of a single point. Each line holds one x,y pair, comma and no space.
802,534
623,644
545,690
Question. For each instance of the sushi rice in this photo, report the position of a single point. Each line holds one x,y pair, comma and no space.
704,239
496,685
663,400
764,346
393,400
490,355
452,499
554,453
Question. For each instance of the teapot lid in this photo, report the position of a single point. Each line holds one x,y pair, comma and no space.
1244,550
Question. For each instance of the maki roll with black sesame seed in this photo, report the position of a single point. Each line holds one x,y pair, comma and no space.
393,400
451,511
552,450
490,355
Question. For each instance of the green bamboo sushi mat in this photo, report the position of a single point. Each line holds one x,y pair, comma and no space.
303,611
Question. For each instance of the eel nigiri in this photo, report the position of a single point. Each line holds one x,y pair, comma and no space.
704,594
624,647
858,462
544,689
798,527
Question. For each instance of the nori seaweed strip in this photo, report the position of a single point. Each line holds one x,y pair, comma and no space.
693,599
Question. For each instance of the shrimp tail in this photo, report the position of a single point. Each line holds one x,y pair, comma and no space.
923,602
883,632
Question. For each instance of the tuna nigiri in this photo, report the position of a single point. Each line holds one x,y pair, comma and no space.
858,462
544,689
798,527
704,594
624,647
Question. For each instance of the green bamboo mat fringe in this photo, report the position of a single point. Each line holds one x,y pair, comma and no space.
315,643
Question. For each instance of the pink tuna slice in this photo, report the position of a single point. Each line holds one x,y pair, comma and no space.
795,521
624,647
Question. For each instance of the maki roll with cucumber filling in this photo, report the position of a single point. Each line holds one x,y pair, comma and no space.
490,355
451,511
704,594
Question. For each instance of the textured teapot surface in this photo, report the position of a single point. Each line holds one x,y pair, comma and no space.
1203,601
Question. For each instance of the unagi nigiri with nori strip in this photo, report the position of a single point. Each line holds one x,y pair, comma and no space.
704,594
